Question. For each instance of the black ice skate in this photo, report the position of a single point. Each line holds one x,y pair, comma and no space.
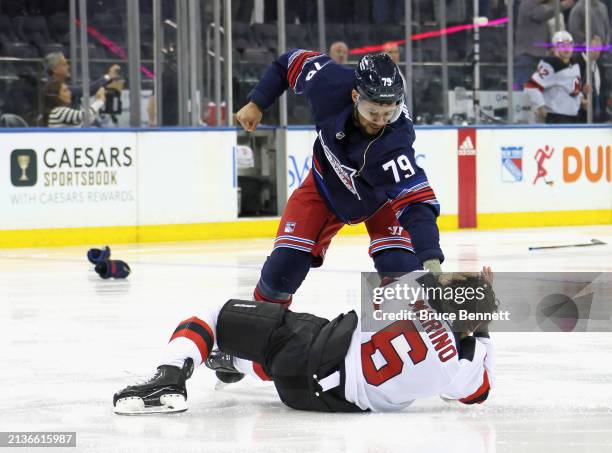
223,365
165,392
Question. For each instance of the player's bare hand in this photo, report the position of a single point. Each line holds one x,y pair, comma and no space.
541,114
487,274
249,116
113,71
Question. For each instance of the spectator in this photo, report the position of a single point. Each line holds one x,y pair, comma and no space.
600,21
56,102
554,90
338,52
58,68
598,92
391,48
532,35
169,90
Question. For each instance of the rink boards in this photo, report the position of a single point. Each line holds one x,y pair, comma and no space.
92,186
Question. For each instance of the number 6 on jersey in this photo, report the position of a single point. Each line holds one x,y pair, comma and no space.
401,337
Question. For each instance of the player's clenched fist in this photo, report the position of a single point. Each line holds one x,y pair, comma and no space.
249,116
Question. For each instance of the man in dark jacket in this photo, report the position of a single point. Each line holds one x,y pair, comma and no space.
58,68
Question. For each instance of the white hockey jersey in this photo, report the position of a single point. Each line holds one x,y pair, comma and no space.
556,85
387,370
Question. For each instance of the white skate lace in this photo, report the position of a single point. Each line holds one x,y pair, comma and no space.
140,379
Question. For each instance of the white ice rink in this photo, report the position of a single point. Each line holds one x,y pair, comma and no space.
69,340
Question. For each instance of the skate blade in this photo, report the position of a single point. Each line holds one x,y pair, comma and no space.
220,385
448,400
171,403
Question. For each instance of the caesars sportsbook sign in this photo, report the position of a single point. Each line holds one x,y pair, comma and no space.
68,180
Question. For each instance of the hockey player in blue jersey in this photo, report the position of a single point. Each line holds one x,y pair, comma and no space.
363,170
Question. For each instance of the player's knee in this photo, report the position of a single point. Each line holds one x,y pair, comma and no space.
396,260
285,269
244,328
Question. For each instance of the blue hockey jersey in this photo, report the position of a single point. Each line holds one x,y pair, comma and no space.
356,174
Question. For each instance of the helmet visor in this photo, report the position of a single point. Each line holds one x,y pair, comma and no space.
379,114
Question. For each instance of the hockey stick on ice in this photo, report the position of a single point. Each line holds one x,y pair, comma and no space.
593,242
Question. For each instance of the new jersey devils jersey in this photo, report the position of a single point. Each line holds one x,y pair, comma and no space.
387,370
556,85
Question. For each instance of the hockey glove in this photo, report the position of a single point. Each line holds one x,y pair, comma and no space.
96,256
113,268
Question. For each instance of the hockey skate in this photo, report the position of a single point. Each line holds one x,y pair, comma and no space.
223,366
165,392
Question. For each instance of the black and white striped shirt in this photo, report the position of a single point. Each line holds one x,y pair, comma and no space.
69,117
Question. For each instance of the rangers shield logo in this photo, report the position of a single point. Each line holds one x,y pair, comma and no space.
512,163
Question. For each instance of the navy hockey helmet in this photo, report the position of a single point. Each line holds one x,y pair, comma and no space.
379,79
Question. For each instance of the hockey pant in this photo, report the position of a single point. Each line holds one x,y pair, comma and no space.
304,234
297,350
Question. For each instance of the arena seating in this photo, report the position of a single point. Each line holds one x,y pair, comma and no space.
29,29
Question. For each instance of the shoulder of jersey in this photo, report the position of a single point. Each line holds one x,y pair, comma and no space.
340,72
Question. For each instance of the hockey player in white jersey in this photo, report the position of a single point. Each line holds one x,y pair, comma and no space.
555,89
337,365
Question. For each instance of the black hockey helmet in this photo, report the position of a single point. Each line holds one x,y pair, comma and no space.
379,79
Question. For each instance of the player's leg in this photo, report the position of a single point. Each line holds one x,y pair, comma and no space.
240,328
390,244
303,235
165,391
298,350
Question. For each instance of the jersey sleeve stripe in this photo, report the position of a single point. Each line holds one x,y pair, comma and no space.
295,68
533,84
481,394
297,65
418,196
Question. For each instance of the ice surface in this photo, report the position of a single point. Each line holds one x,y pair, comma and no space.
69,340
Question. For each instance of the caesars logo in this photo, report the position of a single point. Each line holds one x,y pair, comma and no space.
24,167
68,167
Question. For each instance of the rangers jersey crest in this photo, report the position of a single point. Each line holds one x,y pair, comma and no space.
346,174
